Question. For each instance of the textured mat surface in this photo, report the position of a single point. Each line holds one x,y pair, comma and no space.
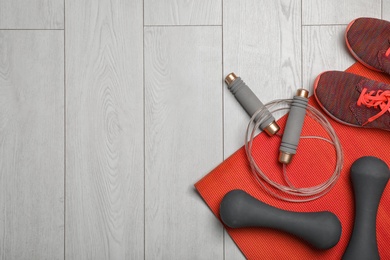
313,163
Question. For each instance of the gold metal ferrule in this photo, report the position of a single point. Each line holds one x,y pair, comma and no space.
230,78
285,157
303,93
272,128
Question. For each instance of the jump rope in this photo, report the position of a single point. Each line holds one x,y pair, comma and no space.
369,176
261,117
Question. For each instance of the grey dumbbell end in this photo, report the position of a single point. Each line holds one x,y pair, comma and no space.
293,128
369,178
251,103
320,229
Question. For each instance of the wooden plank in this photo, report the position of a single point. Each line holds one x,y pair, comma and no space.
177,12
315,12
262,44
104,126
183,140
32,14
386,10
325,49
32,144
266,57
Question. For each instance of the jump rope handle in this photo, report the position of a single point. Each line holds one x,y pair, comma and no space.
251,103
320,229
293,128
369,177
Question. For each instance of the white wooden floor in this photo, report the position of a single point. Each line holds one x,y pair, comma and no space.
111,110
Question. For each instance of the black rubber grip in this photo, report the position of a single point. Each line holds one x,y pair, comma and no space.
369,177
320,229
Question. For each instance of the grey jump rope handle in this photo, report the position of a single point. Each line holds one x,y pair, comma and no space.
320,229
369,177
293,128
251,103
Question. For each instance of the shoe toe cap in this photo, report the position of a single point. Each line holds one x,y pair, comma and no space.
335,91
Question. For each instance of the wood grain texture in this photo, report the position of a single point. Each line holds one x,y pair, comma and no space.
32,14
178,12
324,49
104,130
315,12
31,145
386,10
183,140
262,44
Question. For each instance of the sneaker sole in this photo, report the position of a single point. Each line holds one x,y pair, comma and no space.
352,52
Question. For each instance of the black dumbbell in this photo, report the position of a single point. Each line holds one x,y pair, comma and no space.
320,229
369,177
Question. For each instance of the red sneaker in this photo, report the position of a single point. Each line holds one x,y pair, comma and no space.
368,40
354,100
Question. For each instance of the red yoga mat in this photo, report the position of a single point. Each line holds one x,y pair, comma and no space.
313,164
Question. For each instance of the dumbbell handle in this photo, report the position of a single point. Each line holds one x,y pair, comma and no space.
369,177
320,229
